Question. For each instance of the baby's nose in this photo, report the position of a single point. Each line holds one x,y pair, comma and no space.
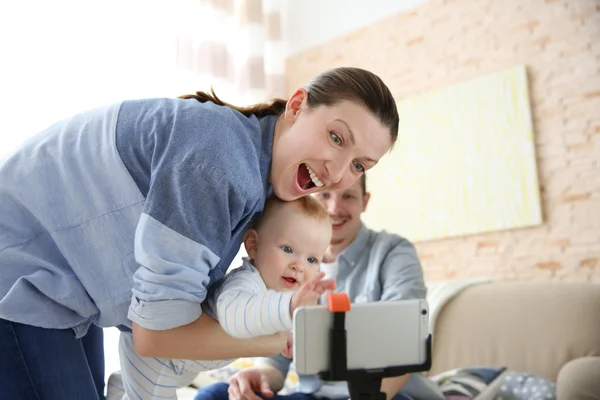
296,266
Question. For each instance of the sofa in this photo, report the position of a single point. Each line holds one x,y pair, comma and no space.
546,329
549,329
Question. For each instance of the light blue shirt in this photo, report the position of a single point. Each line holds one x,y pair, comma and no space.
128,213
377,266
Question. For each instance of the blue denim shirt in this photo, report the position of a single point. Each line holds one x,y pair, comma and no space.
377,266
128,213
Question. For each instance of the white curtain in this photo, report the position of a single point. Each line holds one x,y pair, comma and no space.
60,57
63,56
236,45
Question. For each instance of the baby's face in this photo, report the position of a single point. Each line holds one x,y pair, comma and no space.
290,249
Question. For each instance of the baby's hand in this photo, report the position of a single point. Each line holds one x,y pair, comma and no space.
309,292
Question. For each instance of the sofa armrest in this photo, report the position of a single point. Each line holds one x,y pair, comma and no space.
578,379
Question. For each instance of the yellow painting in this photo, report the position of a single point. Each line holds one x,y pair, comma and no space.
464,162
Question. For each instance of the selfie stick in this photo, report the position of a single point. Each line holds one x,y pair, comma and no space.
363,384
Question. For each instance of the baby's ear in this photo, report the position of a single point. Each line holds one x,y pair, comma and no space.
251,243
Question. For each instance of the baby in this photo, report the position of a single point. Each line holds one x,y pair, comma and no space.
285,248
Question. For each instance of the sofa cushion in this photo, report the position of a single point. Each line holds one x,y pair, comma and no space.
534,327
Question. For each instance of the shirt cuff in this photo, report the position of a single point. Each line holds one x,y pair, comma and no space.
163,315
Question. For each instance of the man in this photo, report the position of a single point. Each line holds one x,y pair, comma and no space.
370,266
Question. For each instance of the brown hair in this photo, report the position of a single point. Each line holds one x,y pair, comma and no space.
307,205
363,183
274,107
329,88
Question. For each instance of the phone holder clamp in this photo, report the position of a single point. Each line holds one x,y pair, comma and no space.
363,384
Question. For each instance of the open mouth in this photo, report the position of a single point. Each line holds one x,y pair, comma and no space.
306,178
289,281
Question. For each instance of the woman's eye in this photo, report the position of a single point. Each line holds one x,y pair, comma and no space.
358,167
287,249
311,260
335,138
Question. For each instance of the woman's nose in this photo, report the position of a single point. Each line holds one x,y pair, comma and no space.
336,169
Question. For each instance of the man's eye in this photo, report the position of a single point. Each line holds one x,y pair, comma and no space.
287,249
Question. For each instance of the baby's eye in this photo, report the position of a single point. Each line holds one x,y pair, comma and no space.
358,167
335,138
287,249
311,260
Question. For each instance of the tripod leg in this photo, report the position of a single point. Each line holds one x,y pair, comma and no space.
366,389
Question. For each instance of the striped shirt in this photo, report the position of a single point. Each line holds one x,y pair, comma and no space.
244,306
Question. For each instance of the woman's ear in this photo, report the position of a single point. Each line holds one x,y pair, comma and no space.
294,105
251,243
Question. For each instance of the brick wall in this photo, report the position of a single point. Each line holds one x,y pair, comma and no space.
444,42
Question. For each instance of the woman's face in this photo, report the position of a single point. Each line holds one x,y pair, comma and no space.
325,148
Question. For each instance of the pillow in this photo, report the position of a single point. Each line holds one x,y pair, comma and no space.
522,386
480,383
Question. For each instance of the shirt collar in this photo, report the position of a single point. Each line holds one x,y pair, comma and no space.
246,263
357,246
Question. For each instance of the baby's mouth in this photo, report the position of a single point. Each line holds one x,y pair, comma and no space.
289,281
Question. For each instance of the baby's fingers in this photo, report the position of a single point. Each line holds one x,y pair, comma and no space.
327,284
317,278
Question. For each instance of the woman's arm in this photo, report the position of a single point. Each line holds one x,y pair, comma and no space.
203,339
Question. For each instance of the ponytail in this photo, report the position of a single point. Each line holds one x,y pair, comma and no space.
274,107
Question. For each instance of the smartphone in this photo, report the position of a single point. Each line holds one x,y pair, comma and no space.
378,335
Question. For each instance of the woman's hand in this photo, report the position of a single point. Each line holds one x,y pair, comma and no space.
309,292
288,352
246,383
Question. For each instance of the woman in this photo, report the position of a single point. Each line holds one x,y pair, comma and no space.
125,215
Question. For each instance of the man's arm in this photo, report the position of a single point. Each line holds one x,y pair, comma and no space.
260,379
277,369
203,339
402,274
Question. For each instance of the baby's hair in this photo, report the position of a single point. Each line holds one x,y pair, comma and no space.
307,205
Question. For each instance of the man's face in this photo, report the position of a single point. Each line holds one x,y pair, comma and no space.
344,208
